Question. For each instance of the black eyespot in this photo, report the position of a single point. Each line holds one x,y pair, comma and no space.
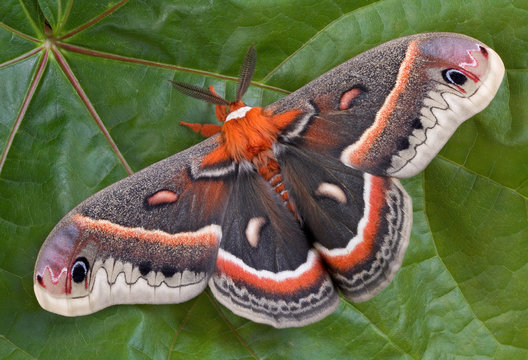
454,77
80,269
160,198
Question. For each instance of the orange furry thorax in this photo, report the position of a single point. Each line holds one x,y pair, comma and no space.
251,137
254,133
247,136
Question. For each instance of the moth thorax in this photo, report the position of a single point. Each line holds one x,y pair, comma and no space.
238,113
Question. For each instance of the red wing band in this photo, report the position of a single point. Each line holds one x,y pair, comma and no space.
370,260
429,127
356,154
285,299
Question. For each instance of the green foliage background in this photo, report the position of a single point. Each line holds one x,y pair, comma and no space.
100,102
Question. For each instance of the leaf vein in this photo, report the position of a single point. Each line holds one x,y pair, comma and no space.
468,304
16,346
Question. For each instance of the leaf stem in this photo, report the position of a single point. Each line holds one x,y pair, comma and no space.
25,105
94,20
76,84
106,55
21,57
18,33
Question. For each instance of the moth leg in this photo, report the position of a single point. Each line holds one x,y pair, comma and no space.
206,130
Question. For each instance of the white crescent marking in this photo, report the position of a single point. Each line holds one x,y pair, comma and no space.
311,260
253,230
332,191
238,113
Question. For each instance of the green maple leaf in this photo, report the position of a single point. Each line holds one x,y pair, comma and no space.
87,101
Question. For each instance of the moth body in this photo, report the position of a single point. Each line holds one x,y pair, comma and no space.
284,206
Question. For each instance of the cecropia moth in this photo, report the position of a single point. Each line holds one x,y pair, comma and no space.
285,207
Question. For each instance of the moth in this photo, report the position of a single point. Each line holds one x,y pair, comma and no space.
287,205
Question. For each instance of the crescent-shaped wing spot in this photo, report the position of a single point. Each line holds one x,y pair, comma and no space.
347,97
332,191
162,197
253,230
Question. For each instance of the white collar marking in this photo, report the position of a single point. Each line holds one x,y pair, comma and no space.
238,113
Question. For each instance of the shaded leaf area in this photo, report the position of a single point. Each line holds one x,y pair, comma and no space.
462,291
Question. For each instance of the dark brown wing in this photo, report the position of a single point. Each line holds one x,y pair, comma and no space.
150,238
359,223
389,110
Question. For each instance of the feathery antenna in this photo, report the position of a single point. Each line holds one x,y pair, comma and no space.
246,72
244,80
199,93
